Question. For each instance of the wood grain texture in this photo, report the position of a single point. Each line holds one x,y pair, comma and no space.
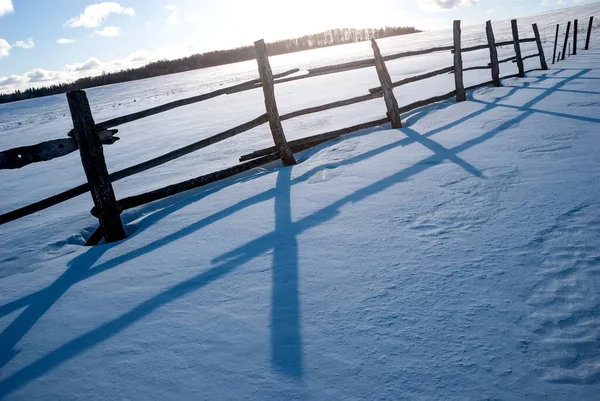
458,65
266,77
494,64
386,86
538,42
517,46
92,159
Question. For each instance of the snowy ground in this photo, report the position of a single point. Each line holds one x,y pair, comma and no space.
454,259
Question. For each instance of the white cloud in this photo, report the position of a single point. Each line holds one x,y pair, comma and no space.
109,31
64,41
442,5
6,7
11,80
25,44
4,48
173,18
40,75
90,64
93,15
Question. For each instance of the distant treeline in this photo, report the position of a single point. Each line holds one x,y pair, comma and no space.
220,57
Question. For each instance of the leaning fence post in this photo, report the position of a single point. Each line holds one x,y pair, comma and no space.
92,158
266,77
589,32
517,45
564,50
458,68
575,23
386,85
538,41
493,53
555,44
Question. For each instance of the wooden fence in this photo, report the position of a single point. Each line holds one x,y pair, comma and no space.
88,137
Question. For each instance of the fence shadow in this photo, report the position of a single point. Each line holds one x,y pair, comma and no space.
286,341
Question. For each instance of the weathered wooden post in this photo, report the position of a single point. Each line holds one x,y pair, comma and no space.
575,27
266,77
589,32
458,67
493,54
564,50
538,41
92,159
555,44
517,45
386,85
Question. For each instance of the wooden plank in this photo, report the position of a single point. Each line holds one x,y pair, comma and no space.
351,65
170,190
183,102
506,60
331,105
255,84
391,103
527,57
498,44
92,159
489,32
48,150
555,43
538,42
458,73
415,78
564,50
517,46
266,77
589,32
575,28
320,138
478,67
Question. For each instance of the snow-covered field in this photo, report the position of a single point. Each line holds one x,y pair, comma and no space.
455,259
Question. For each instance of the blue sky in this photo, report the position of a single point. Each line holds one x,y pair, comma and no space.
48,41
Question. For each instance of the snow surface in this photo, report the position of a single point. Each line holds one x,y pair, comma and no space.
454,259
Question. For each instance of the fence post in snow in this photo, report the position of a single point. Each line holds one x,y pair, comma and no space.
266,77
555,44
493,53
575,37
538,41
517,45
564,50
92,159
386,85
589,32
458,67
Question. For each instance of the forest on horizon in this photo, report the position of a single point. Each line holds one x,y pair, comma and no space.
331,37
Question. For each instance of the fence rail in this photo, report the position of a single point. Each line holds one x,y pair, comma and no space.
88,137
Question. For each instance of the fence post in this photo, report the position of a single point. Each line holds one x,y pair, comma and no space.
564,50
538,41
555,44
266,77
589,32
517,45
575,26
458,68
92,159
386,85
493,53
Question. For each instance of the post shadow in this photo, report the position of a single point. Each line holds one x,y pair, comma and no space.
286,339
